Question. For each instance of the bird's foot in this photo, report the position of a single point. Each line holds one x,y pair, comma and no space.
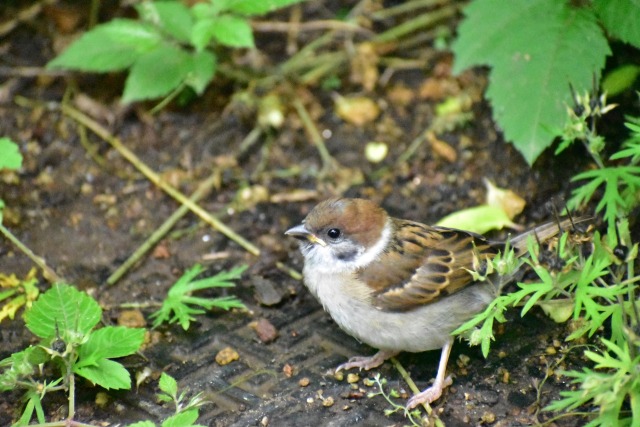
431,394
367,363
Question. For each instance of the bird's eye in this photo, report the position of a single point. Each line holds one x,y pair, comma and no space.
334,233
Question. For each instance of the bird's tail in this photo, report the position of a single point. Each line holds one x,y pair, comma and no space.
543,233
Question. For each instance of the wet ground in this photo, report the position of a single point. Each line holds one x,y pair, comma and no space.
81,206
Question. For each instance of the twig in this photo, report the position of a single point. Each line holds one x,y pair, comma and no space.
425,20
154,178
294,274
316,138
202,190
283,27
409,6
47,271
405,376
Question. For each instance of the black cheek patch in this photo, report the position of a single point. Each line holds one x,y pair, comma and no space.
347,256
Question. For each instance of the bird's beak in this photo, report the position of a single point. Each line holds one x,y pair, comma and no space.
300,232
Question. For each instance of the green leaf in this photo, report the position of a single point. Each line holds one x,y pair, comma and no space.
108,47
110,342
232,31
203,69
19,365
168,384
156,73
178,306
257,7
106,373
478,219
620,79
10,157
146,423
183,419
202,33
171,16
72,312
529,81
621,18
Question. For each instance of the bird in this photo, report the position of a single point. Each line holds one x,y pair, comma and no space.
399,285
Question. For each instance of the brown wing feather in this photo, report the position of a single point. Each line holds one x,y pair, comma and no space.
423,264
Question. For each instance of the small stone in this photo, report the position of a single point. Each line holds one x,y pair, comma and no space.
266,331
353,378
488,418
226,356
368,382
338,375
264,421
304,382
287,370
328,402
131,319
463,360
551,351
102,399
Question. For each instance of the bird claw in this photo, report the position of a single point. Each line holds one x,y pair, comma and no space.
429,395
365,362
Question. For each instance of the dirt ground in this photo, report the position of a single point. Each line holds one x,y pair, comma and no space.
85,209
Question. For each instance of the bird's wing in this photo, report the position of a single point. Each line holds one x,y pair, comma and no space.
423,264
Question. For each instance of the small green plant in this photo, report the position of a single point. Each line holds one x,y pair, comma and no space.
10,157
170,47
614,382
380,383
186,411
17,293
179,304
65,320
595,285
530,81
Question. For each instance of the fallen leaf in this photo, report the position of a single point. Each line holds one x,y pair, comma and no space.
356,110
479,219
507,200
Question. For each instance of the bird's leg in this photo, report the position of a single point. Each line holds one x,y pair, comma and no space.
367,362
435,391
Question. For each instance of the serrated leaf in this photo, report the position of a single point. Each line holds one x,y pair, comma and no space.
168,384
621,18
257,7
106,373
110,342
232,31
156,73
74,313
529,82
202,70
171,16
109,47
183,419
10,157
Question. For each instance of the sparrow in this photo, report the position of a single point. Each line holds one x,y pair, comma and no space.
398,285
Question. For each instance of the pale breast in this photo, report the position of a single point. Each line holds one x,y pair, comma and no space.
424,328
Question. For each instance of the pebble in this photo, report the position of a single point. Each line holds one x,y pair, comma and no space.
226,356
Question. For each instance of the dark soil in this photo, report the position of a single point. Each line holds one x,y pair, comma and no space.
85,210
